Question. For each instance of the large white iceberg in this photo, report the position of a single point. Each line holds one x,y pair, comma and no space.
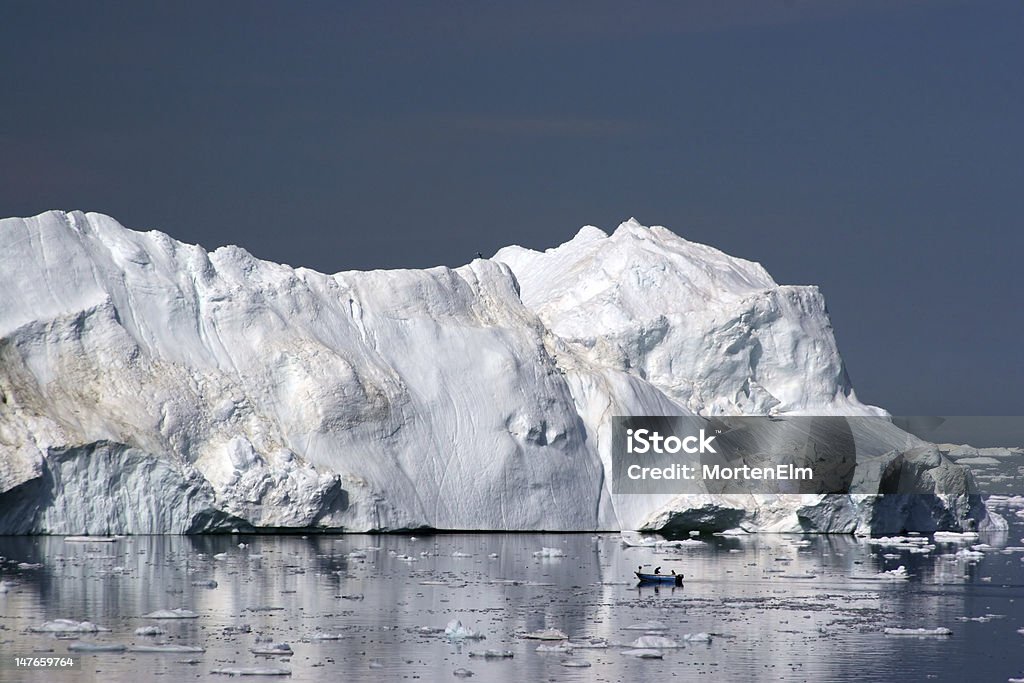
149,386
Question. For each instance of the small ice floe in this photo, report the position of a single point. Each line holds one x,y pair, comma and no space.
589,644
644,653
493,654
30,565
253,671
983,461
405,558
575,663
701,637
985,618
357,555
67,626
654,643
549,553
635,539
273,650
90,539
968,555
149,631
320,635
456,631
493,556
176,613
205,584
376,663
940,631
462,673
80,646
899,573
545,634
560,648
955,536
167,647
648,626
234,630
460,554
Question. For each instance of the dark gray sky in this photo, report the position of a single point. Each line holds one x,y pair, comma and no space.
873,148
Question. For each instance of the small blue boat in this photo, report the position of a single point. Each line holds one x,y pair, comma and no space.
675,579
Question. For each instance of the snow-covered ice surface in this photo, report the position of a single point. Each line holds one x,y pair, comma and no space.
150,386
736,618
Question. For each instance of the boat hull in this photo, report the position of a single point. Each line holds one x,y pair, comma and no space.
676,579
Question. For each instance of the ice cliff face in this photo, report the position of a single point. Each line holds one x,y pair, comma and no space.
149,386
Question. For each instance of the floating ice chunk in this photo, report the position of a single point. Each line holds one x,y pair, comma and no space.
177,613
30,565
955,536
67,626
635,539
575,663
701,637
647,626
320,635
561,648
654,643
253,671
462,673
940,631
549,552
205,584
546,634
459,554
590,644
970,555
168,647
981,460
493,556
493,654
899,573
149,631
273,649
220,556
456,631
79,646
90,539
357,555
644,653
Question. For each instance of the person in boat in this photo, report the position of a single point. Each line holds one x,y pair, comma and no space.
657,570
640,569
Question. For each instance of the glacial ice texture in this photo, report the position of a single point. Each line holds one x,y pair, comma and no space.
150,386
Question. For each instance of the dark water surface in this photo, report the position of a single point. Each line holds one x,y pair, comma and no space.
778,607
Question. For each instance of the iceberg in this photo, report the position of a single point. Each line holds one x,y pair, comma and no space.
220,392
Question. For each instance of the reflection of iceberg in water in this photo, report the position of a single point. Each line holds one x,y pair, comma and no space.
816,602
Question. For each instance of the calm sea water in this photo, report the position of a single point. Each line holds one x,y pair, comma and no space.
778,608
